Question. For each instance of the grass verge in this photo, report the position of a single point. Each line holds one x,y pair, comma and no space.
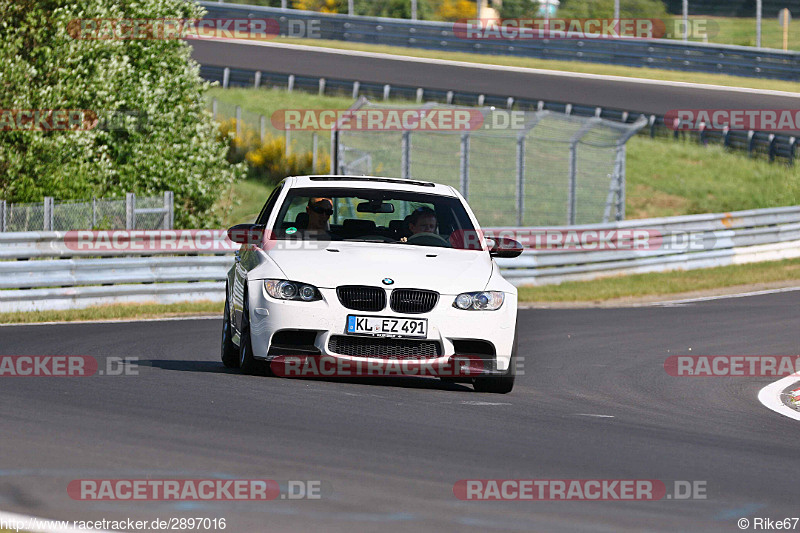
564,66
663,283
115,312
742,31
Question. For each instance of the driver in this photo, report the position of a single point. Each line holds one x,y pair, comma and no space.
319,211
422,220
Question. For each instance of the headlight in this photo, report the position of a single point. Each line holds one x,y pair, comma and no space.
281,289
479,301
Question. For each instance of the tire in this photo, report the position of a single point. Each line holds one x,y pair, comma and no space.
499,384
230,352
247,363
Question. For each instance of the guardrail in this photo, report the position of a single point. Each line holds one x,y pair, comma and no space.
756,143
45,270
653,53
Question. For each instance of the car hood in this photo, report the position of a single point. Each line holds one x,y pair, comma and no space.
444,270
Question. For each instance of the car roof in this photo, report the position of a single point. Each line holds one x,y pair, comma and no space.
371,182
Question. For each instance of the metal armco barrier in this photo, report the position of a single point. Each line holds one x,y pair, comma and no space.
653,53
42,272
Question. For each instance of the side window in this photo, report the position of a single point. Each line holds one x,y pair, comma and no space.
267,210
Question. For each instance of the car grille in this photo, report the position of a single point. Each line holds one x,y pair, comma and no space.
413,301
360,298
385,348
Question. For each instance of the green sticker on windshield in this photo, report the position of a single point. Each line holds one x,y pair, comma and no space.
291,230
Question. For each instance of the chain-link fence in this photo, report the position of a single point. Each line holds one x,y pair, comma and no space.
548,169
131,212
316,142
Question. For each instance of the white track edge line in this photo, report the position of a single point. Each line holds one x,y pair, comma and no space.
770,396
725,296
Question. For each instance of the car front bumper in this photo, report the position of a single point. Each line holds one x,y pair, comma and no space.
328,317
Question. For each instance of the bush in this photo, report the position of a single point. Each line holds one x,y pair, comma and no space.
453,10
172,145
267,161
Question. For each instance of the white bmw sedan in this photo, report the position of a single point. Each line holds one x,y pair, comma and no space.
370,268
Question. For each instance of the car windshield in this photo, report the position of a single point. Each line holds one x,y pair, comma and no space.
378,216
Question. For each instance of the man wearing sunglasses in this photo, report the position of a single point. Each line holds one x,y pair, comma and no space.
319,211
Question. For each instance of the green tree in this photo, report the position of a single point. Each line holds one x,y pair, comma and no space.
171,143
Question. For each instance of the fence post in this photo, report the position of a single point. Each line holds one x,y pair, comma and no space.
420,93
464,170
94,213
257,80
48,213
386,90
226,75
287,142
356,87
290,84
520,177
214,108
334,152
405,157
573,181
238,122
2,215
130,211
621,155
169,210
262,126
322,86
314,150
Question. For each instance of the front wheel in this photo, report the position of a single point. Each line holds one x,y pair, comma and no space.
230,354
247,363
499,384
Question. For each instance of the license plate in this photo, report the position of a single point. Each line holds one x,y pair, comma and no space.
387,327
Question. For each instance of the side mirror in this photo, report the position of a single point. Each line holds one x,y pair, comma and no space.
505,248
247,234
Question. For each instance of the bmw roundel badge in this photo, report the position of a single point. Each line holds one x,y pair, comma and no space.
388,281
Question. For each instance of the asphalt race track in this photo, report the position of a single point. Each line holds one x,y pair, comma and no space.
388,454
626,95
